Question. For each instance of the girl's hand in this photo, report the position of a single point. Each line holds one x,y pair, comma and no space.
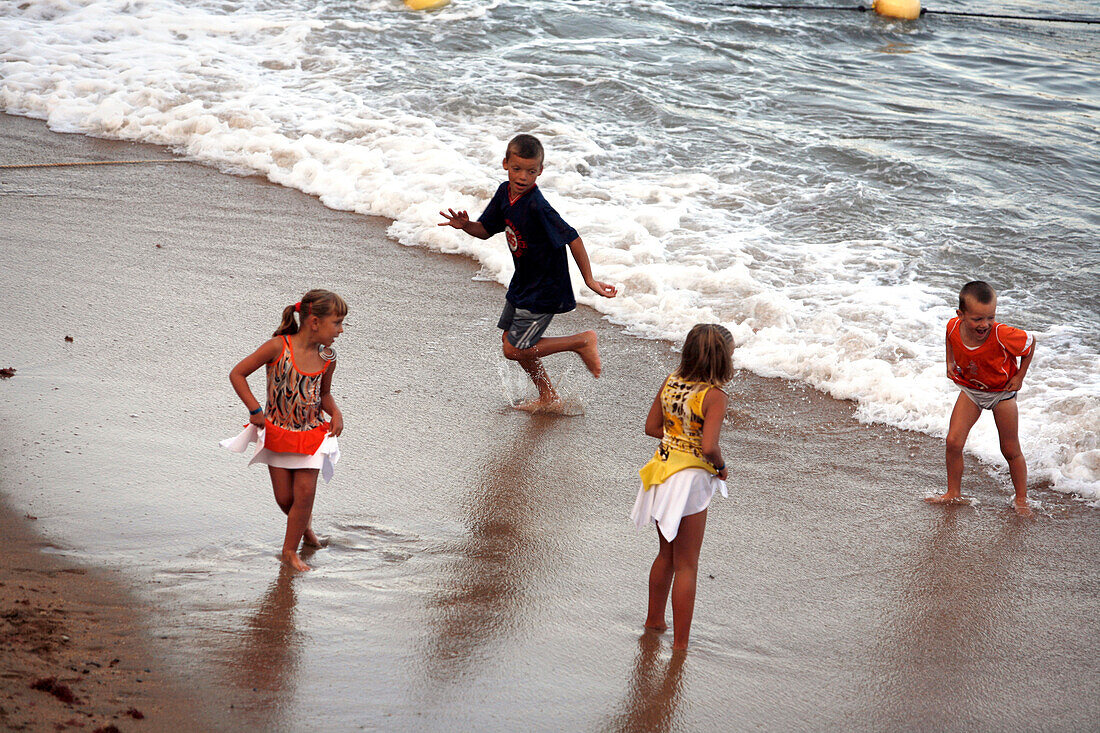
259,419
336,425
724,473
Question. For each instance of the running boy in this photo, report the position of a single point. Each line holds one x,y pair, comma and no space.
981,359
540,287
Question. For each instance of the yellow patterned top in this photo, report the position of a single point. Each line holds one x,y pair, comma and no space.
682,444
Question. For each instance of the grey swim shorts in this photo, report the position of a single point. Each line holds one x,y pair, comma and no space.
986,400
524,327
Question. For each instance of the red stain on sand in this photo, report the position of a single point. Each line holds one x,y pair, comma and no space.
58,689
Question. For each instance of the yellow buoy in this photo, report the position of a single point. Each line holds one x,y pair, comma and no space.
425,4
904,9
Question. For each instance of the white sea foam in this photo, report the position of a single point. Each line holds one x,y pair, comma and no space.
261,91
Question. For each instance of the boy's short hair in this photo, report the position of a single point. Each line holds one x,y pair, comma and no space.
525,146
979,291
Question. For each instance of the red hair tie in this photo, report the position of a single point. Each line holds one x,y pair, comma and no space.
298,307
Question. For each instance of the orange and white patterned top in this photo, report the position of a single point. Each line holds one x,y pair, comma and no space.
294,420
988,367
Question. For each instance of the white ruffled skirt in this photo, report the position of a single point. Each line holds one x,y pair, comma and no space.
684,493
325,458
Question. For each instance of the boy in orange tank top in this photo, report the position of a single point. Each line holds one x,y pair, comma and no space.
981,360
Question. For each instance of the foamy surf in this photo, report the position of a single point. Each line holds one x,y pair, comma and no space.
289,94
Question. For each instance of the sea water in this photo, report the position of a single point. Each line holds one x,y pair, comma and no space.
820,182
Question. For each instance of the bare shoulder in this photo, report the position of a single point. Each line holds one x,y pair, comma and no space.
275,343
271,349
715,396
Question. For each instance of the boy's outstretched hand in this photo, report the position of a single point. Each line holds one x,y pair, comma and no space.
601,288
461,220
456,219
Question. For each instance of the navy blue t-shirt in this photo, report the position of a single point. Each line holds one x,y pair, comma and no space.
537,237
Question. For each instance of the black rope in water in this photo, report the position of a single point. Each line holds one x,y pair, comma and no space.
757,6
924,11
1087,21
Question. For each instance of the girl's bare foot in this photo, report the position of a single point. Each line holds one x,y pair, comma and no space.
958,500
656,625
292,559
1022,509
590,354
309,539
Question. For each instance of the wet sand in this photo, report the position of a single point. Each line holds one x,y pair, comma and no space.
77,651
482,572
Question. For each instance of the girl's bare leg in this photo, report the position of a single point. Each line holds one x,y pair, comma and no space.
297,519
660,582
282,481
309,539
685,566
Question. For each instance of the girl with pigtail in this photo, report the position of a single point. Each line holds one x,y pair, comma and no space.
291,434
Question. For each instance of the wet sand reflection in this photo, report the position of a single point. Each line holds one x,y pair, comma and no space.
943,644
265,663
653,690
483,591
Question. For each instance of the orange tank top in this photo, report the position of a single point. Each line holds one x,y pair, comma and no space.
294,421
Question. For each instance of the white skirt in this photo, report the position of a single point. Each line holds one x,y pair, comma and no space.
684,493
324,459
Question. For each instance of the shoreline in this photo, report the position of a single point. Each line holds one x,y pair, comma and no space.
804,463
77,633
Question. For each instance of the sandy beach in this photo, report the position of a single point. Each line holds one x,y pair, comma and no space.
77,651
482,572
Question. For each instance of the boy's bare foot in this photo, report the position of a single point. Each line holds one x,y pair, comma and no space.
590,354
553,404
1022,509
956,500
292,559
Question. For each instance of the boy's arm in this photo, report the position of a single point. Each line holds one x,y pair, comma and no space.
581,257
950,360
1017,380
461,220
